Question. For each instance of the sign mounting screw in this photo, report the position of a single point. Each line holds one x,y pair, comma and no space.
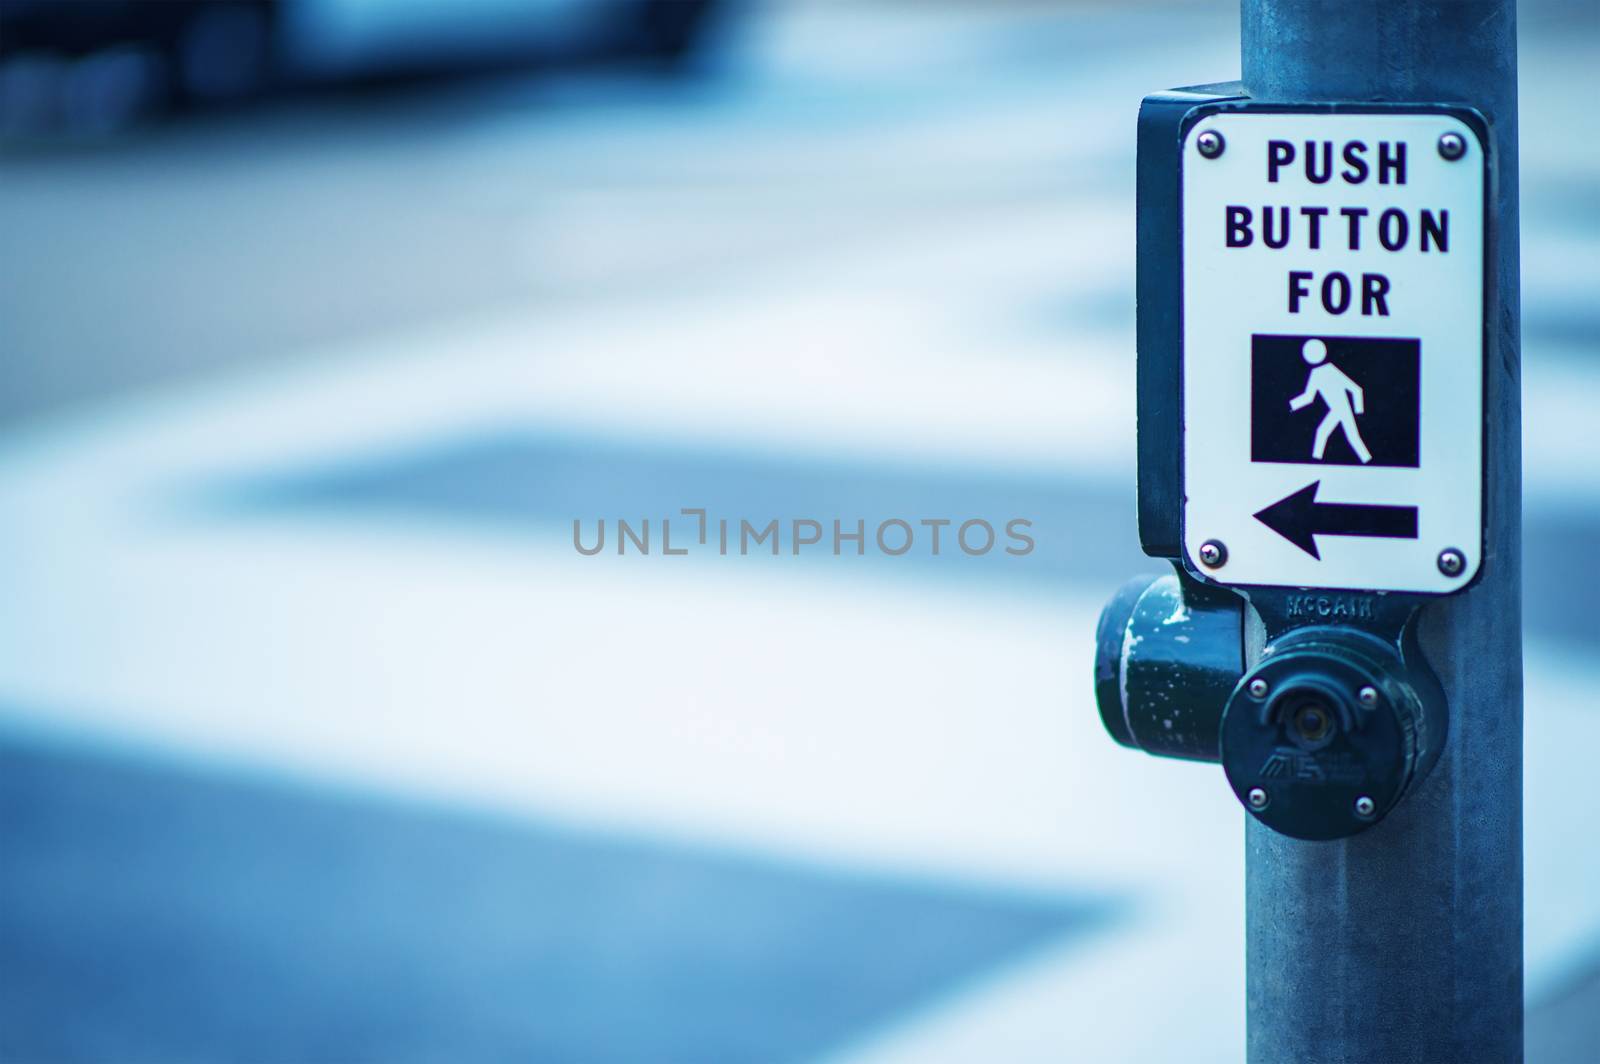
1213,555
1258,688
1365,807
1452,146
1452,562
1367,696
1258,798
1211,144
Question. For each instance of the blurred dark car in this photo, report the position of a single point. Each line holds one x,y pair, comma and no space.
114,56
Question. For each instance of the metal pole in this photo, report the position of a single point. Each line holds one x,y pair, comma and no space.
1404,943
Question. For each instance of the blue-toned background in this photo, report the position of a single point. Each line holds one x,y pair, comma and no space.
320,325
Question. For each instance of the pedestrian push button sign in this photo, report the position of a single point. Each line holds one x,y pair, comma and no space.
1333,359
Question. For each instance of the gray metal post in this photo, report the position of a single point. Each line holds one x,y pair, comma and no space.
1404,943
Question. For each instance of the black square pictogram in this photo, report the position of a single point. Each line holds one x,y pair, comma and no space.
1335,400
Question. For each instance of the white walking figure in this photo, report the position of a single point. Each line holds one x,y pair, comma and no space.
1341,395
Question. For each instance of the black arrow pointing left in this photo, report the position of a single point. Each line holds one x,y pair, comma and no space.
1300,519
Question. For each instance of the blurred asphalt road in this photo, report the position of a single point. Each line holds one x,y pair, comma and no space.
303,689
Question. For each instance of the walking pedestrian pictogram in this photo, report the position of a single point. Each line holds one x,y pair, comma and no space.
1335,400
1342,396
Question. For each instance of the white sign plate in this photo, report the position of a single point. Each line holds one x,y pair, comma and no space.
1333,286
